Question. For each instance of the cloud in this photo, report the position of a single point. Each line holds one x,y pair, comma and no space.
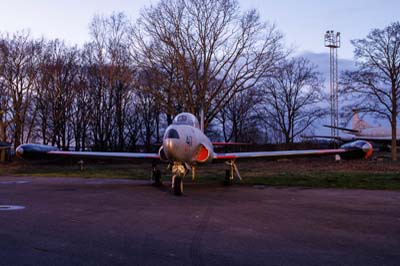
321,60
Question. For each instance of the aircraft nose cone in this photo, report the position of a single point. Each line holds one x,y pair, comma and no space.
169,146
366,147
368,150
19,151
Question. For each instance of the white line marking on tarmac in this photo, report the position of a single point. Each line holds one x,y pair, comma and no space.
18,182
11,207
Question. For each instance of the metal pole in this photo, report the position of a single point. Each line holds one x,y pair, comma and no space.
331,90
337,94
332,41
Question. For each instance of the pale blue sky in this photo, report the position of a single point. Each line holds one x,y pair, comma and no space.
303,22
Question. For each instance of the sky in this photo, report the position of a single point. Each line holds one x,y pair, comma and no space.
303,22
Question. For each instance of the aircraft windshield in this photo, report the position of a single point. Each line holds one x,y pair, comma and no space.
186,119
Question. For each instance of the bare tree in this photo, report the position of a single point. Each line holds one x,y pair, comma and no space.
81,109
238,118
133,125
4,107
291,98
156,75
148,115
4,101
19,56
212,51
110,80
375,86
55,94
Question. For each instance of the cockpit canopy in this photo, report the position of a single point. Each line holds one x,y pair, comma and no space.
186,119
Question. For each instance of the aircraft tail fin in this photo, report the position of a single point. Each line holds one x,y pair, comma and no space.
358,123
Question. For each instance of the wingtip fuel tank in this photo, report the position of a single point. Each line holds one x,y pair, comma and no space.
34,151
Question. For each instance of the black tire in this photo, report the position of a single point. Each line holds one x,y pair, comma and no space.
157,178
178,186
228,180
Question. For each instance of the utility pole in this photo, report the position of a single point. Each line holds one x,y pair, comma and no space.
332,41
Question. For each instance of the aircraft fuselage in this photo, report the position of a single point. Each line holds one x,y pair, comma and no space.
186,144
377,132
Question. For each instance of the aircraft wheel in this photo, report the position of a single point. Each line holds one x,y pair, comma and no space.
178,186
157,178
228,180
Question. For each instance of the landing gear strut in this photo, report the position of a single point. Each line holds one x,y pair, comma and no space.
178,173
230,173
228,180
178,186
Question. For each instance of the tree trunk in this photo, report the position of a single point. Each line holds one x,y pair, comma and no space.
394,137
2,137
393,123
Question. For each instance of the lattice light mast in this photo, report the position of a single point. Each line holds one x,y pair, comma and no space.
332,41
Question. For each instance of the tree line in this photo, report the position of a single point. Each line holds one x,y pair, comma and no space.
126,84
123,87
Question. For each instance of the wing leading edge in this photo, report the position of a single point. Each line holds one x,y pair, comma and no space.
276,154
37,152
356,149
112,155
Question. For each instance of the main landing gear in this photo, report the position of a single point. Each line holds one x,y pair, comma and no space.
230,173
156,176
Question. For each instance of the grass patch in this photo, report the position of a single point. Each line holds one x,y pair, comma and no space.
323,174
364,180
124,171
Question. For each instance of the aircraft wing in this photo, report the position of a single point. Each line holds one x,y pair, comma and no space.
353,138
356,149
388,138
35,151
341,138
275,154
116,155
230,144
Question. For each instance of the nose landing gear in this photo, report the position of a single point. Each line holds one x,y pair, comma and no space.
178,173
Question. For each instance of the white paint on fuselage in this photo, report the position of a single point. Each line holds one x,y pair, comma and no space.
377,132
185,148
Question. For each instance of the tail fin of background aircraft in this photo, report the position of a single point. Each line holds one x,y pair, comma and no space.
358,123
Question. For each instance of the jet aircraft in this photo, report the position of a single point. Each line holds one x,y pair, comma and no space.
362,130
185,146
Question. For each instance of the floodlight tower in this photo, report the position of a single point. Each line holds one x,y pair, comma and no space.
332,41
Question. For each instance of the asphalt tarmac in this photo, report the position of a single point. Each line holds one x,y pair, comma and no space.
121,222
